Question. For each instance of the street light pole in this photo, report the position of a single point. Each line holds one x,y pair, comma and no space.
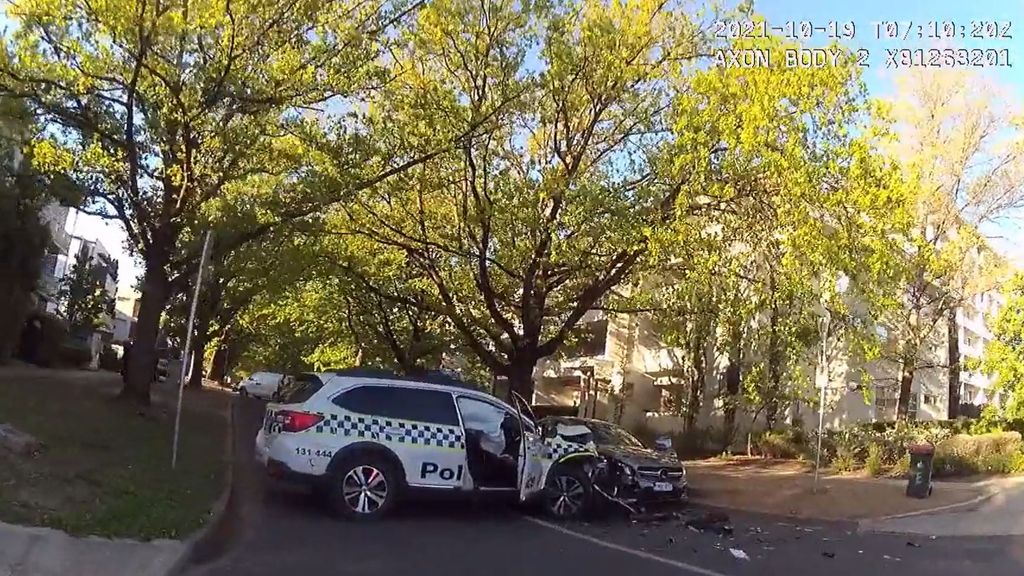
821,397
188,347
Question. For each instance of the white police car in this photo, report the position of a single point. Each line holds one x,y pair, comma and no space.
369,438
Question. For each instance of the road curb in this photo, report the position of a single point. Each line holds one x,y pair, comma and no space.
217,512
866,525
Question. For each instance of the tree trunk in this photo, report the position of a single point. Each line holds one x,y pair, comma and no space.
906,383
696,384
143,359
953,344
195,380
219,363
733,377
774,389
520,378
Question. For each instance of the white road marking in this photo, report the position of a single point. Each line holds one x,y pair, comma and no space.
626,549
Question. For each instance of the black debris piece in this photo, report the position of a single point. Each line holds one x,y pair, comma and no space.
671,540
715,522
829,554
913,544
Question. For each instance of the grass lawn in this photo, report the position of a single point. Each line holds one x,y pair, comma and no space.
105,469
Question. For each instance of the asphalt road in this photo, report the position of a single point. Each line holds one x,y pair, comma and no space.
278,531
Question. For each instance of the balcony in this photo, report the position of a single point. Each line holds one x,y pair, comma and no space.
54,216
660,361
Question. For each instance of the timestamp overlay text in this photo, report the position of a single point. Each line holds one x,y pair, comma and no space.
905,44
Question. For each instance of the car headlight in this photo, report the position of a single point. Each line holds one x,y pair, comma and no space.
627,471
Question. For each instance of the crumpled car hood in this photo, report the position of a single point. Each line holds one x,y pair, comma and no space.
639,456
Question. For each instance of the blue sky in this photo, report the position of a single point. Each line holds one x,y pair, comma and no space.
1008,236
864,13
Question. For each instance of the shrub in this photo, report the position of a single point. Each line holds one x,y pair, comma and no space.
902,466
74,354
873,462
788,443
963,454
53,335
844,461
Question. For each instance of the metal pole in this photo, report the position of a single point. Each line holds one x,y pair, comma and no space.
821,399
188,347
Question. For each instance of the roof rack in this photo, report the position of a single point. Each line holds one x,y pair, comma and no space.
430,376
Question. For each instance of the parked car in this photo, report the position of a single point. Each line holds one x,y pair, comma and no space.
365,440
634,472
261,385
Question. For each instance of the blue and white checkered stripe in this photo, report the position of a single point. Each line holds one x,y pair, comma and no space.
398,431
558,448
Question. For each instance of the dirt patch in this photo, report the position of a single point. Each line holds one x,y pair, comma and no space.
788,490
105,467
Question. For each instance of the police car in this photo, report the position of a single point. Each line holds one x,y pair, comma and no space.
367,439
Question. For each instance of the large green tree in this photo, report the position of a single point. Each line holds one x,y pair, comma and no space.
82,296
1004,356
961,144
520,231
23,237
788,165
163,108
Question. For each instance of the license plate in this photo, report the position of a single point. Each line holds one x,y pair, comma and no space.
663,487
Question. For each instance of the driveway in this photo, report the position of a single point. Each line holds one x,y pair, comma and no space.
279,532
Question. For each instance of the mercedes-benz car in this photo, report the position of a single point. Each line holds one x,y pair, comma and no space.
634,473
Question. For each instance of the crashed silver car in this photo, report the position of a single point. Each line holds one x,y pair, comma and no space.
629,472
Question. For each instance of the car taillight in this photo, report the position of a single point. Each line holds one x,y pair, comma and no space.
292,421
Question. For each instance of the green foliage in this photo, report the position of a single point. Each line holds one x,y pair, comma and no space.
789,443
181,116
996,452
73,354
873,463
82,296
902,466
54,334
844,461
23,237
1004,355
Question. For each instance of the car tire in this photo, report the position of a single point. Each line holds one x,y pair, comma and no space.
568,493
363,487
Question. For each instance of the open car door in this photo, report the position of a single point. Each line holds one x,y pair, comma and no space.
531,464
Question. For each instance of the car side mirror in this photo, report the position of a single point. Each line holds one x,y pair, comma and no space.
548,431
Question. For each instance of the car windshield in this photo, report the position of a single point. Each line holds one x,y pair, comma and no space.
606,434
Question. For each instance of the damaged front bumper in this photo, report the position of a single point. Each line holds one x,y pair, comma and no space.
631,488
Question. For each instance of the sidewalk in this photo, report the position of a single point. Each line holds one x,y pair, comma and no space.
786,488
1000,515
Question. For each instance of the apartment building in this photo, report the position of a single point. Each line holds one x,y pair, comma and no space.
623,372
126,314
975,336
54,216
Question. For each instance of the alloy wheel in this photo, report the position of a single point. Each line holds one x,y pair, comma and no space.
568,495
364,489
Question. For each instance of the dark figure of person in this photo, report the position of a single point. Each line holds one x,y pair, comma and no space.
124,362
31,337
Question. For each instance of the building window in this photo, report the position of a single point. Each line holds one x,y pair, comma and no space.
885,402
931,400
595,338
912,406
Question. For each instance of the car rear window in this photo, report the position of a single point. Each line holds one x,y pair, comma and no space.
415,404
300,390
